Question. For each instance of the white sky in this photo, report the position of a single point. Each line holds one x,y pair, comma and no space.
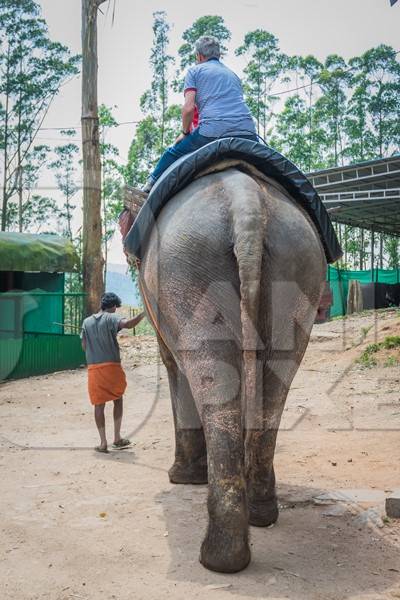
318,27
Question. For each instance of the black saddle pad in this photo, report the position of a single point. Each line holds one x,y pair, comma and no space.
265,159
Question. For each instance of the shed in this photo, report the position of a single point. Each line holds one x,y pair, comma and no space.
39,321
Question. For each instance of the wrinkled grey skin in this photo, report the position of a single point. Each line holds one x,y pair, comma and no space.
231,278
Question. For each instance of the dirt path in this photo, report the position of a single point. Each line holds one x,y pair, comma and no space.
75,524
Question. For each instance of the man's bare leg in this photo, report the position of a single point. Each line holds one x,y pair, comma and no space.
117,413
101,425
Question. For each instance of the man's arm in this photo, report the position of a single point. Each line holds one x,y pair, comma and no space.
83,340
187,113
130,323
188,109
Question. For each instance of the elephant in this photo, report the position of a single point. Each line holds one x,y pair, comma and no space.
231,279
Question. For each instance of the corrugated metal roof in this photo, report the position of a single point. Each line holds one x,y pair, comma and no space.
364,195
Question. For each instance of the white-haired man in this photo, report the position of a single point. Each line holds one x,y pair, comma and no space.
217,93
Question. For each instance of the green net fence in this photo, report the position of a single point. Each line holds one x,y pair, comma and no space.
339,283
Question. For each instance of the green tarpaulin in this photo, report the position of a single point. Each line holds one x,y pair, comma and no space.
46,253
339,284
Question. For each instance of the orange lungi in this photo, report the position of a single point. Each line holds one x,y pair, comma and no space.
106,381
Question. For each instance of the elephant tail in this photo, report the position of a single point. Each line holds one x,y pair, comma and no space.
248,220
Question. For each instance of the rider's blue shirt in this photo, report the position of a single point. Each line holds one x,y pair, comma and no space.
219,98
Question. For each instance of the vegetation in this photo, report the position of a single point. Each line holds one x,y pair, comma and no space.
32,70
318,113
368,357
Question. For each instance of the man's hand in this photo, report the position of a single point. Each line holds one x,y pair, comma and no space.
180,137
130,323
187,113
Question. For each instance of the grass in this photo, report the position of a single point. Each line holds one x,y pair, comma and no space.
144,328
392,341
368,358
364,330
391,361
366,313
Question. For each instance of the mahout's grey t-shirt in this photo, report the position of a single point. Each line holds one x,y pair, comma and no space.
100,334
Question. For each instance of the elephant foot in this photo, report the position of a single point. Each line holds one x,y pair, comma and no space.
263,513
194,473
225,551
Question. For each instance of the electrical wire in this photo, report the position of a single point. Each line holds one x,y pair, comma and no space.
272,93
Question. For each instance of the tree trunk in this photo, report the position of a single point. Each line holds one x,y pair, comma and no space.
381,251
19,167
372,253
20,199
362,250
92,259
5,135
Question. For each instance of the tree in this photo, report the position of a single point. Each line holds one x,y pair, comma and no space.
290,132
155,100
161,122
32,70
392,249
374,107
309,69
265,65
64,166
93,284
112,180
384,97
207,25
330,108
33,211
38,213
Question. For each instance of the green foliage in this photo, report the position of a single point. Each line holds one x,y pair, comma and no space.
374,106
391,361
144,328
32,70
291,130
37,214
155,101
368,359
64,167
113,174
391,246
265,65
161,122
207,25
390,342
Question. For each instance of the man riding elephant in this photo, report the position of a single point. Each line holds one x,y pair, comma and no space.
231,274
217,92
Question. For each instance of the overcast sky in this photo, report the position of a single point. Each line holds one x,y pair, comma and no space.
318,27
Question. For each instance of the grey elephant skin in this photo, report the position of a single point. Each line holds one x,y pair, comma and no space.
231,279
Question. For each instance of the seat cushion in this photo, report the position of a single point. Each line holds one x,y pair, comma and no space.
267,160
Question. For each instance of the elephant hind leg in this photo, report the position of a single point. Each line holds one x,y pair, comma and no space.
261,493
190,465
216,388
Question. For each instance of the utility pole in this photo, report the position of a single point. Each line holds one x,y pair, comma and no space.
92,259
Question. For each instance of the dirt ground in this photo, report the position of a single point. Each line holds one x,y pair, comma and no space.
76,524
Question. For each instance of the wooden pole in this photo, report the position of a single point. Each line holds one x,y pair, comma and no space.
372,253
92,259
381,251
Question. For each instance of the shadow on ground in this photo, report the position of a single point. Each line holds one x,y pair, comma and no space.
306,555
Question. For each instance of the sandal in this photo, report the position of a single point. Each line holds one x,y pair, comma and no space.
122,443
